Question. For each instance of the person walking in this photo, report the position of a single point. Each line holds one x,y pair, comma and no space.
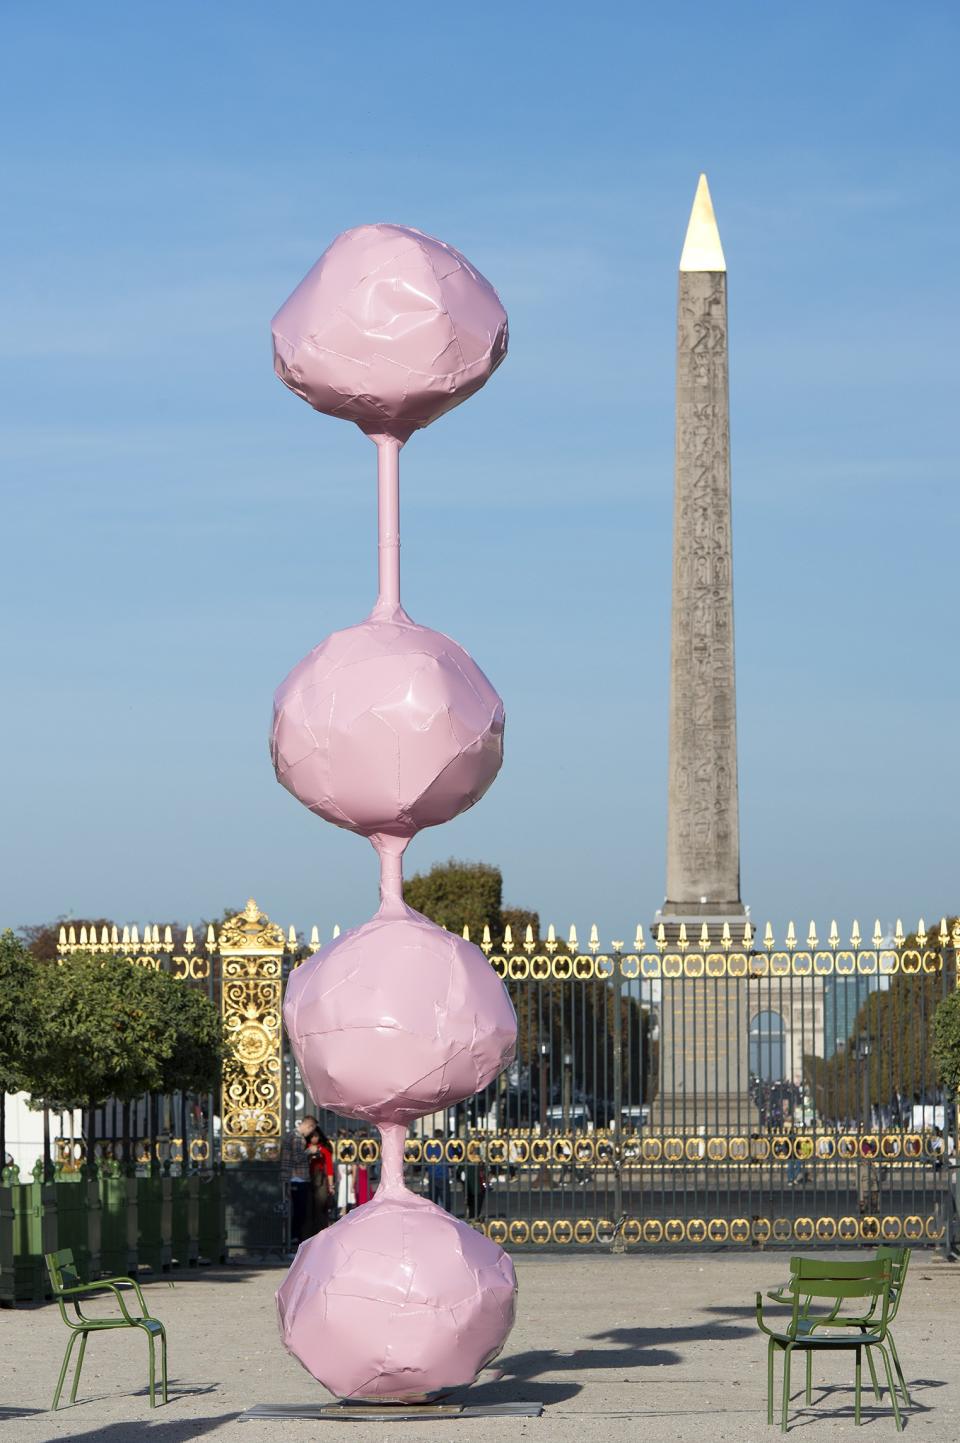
438,1177
295,1177
474,1189
320,1154
346,1188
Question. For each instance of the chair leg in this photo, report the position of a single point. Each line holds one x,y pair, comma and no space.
163,1362
873,1376
770,1380
63,1370
153,1369
76,1376
786,1389
893,1392
809,1376
856,1387
896,1364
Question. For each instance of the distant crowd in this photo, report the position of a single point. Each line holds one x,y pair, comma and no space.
318,1190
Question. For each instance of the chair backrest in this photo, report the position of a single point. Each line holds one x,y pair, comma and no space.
61,1270
813,1268
899,1260
838,1281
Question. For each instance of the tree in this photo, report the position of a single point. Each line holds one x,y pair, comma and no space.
17,1008
568,1017
107,1028
579,1019
195,1039
946,1041
518,919
42,939
895,1028
456,894
201,928
18,998
100,1033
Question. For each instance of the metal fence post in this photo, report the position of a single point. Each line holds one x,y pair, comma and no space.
617,1084
251,949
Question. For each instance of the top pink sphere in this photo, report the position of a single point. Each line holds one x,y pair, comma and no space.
391,328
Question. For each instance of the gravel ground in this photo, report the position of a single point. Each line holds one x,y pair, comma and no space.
637,1346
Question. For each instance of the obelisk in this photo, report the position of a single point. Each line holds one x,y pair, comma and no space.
703,1027
703,840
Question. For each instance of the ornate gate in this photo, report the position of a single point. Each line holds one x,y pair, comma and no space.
732,1092
251,951
721,1091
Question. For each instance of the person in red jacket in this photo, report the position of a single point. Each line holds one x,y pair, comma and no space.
320,1155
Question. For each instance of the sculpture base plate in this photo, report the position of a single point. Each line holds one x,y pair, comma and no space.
391,1413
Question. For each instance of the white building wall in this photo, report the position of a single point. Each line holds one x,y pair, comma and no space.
25,1132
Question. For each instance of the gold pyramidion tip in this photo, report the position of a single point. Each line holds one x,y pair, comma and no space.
702,250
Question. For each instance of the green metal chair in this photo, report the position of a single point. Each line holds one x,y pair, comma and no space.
67,1288
899,1259
832,1283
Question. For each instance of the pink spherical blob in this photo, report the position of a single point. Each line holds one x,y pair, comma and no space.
398,1301
387,727
390,328
398,1018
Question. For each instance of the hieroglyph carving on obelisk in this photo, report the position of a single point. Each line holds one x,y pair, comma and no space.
703,843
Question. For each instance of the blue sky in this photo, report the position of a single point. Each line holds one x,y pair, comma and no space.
178,529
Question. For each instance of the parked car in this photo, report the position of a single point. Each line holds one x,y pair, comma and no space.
633,1119
575,1118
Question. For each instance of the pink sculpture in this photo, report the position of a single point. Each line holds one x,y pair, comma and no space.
398,1300
384,1052
385,728
390,329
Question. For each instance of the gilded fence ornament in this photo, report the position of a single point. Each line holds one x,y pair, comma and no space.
251,951
700,1230
251,933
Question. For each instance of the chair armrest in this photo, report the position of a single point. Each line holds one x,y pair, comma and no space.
84,1289
761,1324
130,1283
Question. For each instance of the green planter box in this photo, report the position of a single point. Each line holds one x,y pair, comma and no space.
71,1216
154,1223
256,1215
211,1216
23,1215
186,1221
118,1222
8,1291
38,1218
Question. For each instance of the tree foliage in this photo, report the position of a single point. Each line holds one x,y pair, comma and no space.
195,1042
108,1028
904,1058
458,894
566,1016
946,1041
42,939
18,1020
